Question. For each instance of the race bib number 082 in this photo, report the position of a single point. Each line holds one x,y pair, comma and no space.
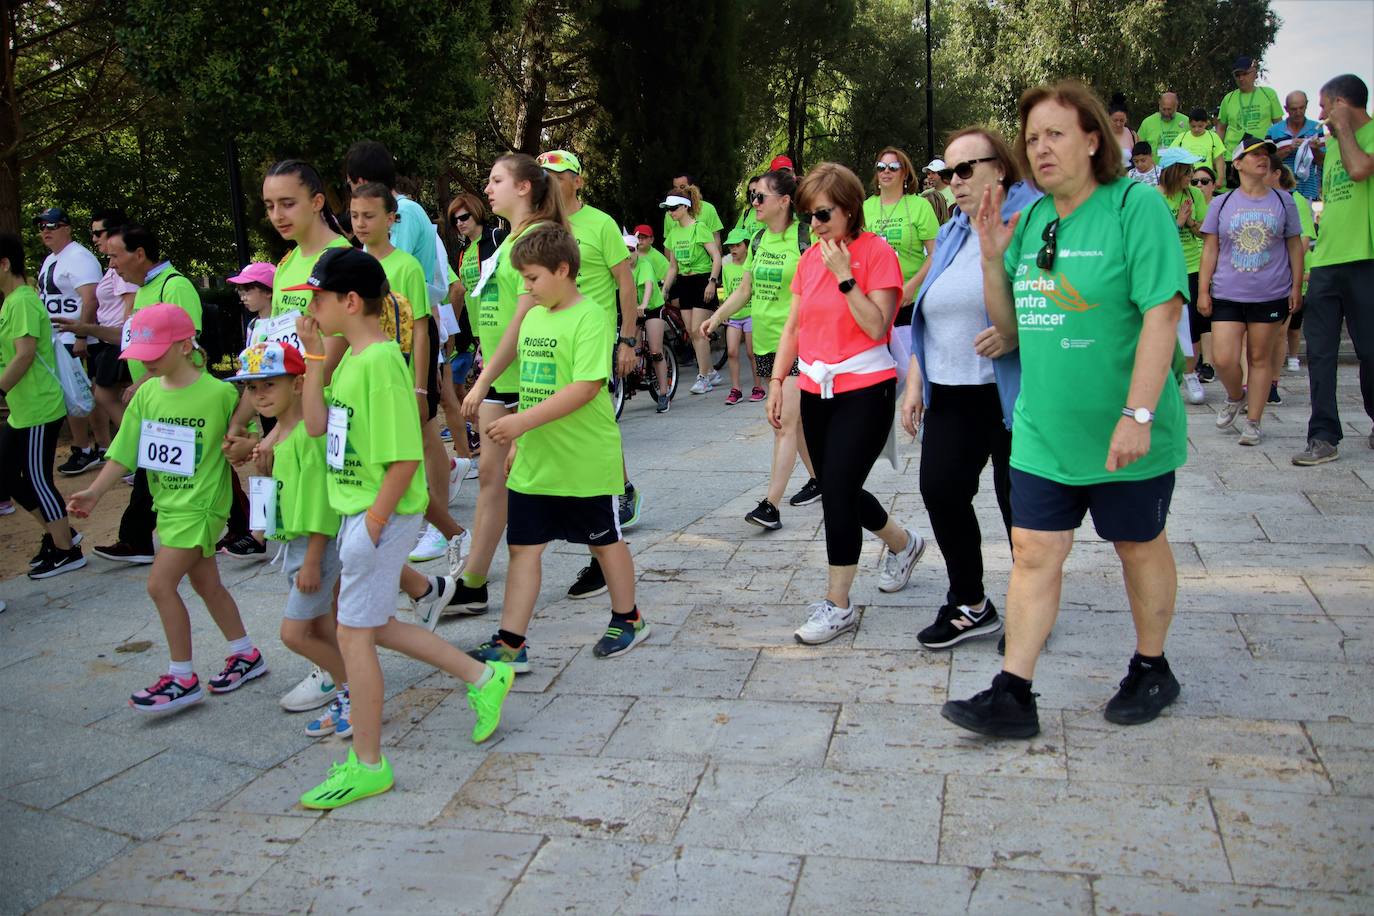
167,449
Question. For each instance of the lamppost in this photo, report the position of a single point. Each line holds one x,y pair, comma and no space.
930,95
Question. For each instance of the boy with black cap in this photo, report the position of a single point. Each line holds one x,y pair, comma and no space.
372,452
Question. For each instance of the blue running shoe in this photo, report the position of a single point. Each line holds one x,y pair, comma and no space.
619,640
494,650
337,719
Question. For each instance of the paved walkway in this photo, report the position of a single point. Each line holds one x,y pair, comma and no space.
723,768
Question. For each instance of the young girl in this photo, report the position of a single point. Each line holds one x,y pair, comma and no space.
373,212
740,325
650,267
254,285
693,275
173,428
525,196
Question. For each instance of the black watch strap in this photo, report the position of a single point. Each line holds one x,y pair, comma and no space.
627,341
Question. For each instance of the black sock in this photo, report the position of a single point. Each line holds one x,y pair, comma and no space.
514,640
629,489
1150,662
1017,686
623,620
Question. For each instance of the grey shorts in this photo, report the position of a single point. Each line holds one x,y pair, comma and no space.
372,572
299,604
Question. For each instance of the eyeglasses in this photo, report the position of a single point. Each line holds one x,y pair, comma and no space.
965,169
823,214
1045,259
1200,182
887,166
461,218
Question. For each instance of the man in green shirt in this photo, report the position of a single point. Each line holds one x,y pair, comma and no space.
1247,109
1341,285
1161,128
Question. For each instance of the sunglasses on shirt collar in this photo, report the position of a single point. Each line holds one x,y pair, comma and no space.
1045,258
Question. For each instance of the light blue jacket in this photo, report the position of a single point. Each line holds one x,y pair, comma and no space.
952,236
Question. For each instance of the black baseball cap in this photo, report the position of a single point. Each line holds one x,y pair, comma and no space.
346,270
53,215
1242,64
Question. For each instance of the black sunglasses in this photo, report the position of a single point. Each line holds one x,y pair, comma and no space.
51,225
965,169
758,197
1045,259
823,214
675,207
1196,182
461,218
96,233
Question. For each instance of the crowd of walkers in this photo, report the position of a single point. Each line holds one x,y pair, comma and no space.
1046,303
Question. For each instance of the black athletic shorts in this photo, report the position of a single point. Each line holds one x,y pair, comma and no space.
538,519
1132,510
1271,312
690,293
107,369
507,399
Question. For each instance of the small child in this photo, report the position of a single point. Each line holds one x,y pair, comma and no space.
254,285
564,474
305,524
1143,168
740,325
173,429
373,452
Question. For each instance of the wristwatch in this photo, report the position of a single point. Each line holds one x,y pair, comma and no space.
1141,415
847,285
627,341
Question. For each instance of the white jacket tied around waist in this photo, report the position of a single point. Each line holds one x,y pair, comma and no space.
874,359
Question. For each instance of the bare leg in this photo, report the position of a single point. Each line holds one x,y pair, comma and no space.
366,689
786,441
749,355
424,646
204,576
732,340
1037,576
316,642
1261,358
436,476
81,432
170,565
1152,587
1226,336
653,328
522,587
489,520
619,569
700,347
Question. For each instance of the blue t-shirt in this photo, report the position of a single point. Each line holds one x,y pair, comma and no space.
1311,186
414,234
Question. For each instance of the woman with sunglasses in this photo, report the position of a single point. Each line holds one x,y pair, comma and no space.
962,385
897,212
1090,282
693,275
766,287
844,297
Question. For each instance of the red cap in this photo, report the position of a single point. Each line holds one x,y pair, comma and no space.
643,229
780,162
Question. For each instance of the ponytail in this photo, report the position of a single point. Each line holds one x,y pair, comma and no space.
306,174
694,195
545,202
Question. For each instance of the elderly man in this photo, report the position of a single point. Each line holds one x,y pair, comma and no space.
1293,134
1164,126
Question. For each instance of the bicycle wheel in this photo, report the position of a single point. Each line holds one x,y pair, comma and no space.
618,395
670,363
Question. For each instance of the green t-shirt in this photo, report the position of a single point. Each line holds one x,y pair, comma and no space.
731,274
706,215
771,268
645,271
470,271
37,397
205,405
499,298
749,219
1208,146
576,455
1079,325
301,474
602,247
1159,133
376,389
293,270
1192,245
907,225
168,286
688,245
1348,208
405,276
659,260
1248,113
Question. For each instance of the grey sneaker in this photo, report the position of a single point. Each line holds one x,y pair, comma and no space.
1318,451
1229,411
1251,434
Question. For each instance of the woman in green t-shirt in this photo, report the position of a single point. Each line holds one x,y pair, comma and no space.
28,440
693,275
1188,208
1089,281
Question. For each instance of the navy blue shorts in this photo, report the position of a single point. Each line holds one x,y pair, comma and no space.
461,366
538,519
1132,510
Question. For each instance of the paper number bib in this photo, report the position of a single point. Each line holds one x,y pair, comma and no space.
262,505
126,335
281,329
167,449
336,437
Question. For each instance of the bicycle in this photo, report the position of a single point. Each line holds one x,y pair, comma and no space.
677,337
642,377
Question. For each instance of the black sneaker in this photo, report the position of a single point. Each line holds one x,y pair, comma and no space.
995,713
56,562
765,515
1274,396
242,547
466,598
663,404
80,461
48,545
955,623
121,552
808,494
1143,693
590,581
1205,372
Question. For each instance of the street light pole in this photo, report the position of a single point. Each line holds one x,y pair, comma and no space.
930,95
231,154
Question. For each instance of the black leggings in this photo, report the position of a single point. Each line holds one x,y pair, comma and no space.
26,460
963,429
846,434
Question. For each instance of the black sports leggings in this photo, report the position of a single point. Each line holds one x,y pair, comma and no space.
26,460
845,435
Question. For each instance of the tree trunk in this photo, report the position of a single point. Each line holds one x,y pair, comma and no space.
529,134
9,122
9,194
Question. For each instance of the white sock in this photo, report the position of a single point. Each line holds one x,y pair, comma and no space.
179,669
242,646
486,676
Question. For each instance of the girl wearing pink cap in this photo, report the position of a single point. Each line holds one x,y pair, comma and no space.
254,285
173,430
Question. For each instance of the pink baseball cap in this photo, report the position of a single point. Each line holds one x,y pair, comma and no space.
154,329
257,272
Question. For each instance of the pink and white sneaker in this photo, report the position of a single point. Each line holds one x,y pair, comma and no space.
238,670
167,694
758,394
734,397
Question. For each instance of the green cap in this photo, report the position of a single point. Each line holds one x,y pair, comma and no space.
560,160
736,236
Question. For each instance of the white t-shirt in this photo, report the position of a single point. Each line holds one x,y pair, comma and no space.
62,274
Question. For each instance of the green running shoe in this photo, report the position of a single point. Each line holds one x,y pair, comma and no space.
348,782
486,701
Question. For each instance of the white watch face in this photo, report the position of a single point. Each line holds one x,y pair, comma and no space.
1142,415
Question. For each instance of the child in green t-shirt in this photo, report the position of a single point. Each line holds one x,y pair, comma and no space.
740,325
295,511
564,477
173,428
373,452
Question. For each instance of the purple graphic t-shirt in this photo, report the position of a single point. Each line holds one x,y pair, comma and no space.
1252,261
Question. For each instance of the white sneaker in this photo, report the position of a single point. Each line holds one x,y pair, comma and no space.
1293,365
429,608
894,569
1251,434
459,546
701,385
431,545
1193,386
472,468
316,689
457,473
714,378
825,623
1229,411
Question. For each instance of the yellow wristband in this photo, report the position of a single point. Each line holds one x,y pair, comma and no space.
376,518
315,356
